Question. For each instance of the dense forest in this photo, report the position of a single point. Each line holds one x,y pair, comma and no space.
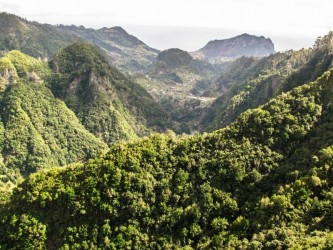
250,82
52,115
107,103
90,160
263,182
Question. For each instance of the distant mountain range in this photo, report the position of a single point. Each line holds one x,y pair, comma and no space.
43,40
243,45
122,50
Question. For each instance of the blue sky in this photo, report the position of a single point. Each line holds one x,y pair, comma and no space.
189,24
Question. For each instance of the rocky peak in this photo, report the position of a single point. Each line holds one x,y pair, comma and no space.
242,45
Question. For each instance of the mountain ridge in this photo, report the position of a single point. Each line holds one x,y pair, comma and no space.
43,40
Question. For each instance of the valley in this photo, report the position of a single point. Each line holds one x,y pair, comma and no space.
107,143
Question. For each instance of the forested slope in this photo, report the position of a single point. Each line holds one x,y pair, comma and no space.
264,182
37,130
249,82
107,103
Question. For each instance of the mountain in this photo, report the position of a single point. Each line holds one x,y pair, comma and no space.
37,129
122,50
242,45
43,40
74,173
107,103
173,58
247,82
32,38
264,182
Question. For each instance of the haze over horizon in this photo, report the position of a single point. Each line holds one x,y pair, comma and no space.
189,26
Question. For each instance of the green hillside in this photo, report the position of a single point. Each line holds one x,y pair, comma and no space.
32,38
82,165
107,103
264,182
248,83
37,130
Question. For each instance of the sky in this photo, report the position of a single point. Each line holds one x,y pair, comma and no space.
189,24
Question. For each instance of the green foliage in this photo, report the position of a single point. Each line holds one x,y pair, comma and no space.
27,66
31,234
248,83
15,65
40,131
242,187
264,182
106,102
37,130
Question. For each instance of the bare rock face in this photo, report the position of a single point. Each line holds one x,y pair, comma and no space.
243,45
